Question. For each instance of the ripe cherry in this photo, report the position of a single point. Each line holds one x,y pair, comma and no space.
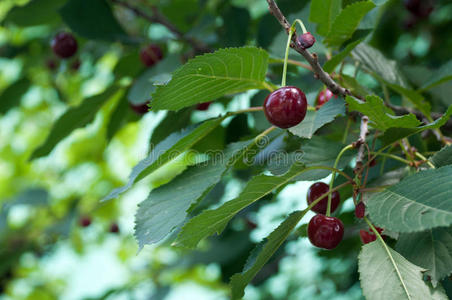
114,228
203,106
419,8
360,210
318,189
150,55
367,237
85,221
140,109
325,232
285,107
306,40
64,45
323,97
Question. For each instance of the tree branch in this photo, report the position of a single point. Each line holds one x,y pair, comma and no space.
363,131
159,18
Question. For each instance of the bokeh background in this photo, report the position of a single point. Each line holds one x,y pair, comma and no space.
47,248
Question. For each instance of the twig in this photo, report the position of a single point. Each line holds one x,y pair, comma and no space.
158,17
364,130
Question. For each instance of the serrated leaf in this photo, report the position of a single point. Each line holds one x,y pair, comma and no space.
331,64
165,151
442,75
316,119
414,97
323,13
385,274
347,21
73,118
210,76
262,253
380,116
442,157
85,17
431,249
12,95
166,207
419,202
173,121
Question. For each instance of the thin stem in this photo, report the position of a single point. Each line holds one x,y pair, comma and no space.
302,25
292,62
424,159
380,239
374,189
286,55
250,109
270,86
328,208
347,128
264,133
313,203
392,156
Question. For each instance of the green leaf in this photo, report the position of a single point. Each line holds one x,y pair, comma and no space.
380,116
166,207
443,157
419,202
347,21
331,64
431,249
417,99
118,117
173,121
316,119
323,12
73,118
262,253
12,95
212,75
385,274
92,20
442,75
35,13
165,151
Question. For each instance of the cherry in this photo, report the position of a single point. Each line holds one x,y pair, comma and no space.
64,45
367,237
323,97
373,163
419,8
360,210
51,64
150,55
306,40
203,106
285,107
140,109
325,232
85,221
318,189
114,228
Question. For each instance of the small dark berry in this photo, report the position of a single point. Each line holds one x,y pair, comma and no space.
360,210
323,97
203,106
285,107
114,228
318,189
85,221
306,40
140,109
150,55
51,64
64,45
373,163
367,237
75,65
325,232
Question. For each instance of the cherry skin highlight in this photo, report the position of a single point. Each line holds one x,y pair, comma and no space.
64,45
150,55
325,232
285,107
306,40
318,189
323,97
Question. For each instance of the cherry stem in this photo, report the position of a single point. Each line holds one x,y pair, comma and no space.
327,194
301,25
373,189
264,133
347,128
292,62
333,174
395,157
286,55
424,159
250,109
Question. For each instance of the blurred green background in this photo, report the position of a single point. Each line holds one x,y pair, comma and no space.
46,253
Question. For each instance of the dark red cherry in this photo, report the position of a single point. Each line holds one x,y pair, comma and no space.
318,189
150,55
367,237
325,232
203,106
85,221
64,45
323,97
114,228
419,8
285,107
140,109
360,210
306,40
